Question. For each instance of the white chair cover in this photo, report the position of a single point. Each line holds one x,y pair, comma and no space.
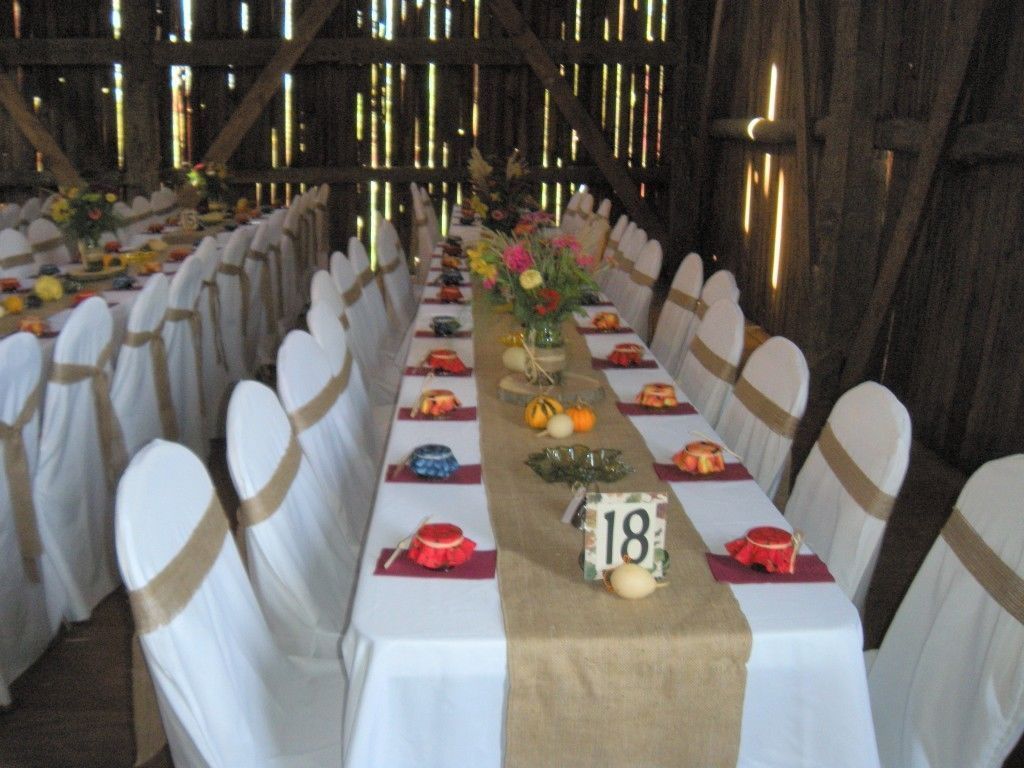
291,265
141,387
393,266
367,341
422,239
81,456
261,321
48,202
712,361
26,625
433,228
633,240
323,225
183,340
604,210
764,410
30,211
335,435
636,303
164,203
570,221
301,552
947,686
214,372
611,251
142,214
844,493
49,245
227,695
126,231
10,215
678,313
390,335
720,285
16,258
233,285
373,420
275,222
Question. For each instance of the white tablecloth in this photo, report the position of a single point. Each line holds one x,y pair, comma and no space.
426,658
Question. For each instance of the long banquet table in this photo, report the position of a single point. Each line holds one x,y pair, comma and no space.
426,658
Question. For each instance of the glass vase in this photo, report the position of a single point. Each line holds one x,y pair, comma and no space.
545,348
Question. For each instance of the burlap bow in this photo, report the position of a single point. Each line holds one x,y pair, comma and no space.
161,378
19,482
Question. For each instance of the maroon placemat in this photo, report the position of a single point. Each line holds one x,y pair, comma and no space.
670,473
423,370
589,330
601,364
436,283
809,569
635,409
466,474
481,565
464,300
600,304
432,335
459,414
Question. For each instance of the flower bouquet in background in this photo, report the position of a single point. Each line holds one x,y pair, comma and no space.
85,215
210,180
500,196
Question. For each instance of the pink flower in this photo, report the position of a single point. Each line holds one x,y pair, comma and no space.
584,260
566,241
489,283
517,258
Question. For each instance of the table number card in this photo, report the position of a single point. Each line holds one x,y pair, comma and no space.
624,524
188,220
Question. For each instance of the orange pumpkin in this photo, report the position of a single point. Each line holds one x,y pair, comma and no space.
540,409
13,304
583,417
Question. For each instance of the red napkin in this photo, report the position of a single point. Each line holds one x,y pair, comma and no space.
432,335
809,569
635,409
480,566
466,474
424,370
601,364
588,330
670,473
459,414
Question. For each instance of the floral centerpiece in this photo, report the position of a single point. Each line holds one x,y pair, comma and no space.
210,180
499,198
86,215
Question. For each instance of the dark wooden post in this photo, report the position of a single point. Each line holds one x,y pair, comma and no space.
142,148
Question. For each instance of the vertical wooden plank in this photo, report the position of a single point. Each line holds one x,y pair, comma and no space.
141,84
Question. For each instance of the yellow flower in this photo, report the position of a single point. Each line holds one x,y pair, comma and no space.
60,211
476,265
49,288
475,251
478,206
73,192
13,304
531,279
479,169
490,271
111,197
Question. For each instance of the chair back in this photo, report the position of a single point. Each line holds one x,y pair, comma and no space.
763,412
31,209
678,313
369,336
141,386
372,297
604,210
215,372
392,264
49,245
183,341
712,361
142,214
292,265
261,321
636,303
10,215
947,686
233,285
611,251
16,257
570,221
846,488
633,240
81,457
720,285
227,695
164,203
300,553
26,626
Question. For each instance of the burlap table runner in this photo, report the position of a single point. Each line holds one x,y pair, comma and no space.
594,679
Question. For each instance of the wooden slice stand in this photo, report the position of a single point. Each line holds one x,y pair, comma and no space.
515,388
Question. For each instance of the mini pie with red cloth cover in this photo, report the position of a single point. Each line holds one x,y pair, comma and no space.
606,321
440,545
438,402
626,355
449,294
700,457
445,361
658,395
767,547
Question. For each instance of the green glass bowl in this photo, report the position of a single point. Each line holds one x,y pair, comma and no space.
579,464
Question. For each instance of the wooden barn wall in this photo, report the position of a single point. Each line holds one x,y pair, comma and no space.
951,350
375,113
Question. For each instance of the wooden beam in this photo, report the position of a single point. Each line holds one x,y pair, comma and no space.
770,134
682,235
991,141
939,127
269,80
254,52
27,122
700,178
142,83
511,19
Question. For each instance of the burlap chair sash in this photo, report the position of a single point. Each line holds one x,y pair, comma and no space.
269,498
702,308
997,578
16,260
135,218
861,488
275,248
110,437
48,245
19,482
343,319
353,294
684,300
177,315
161,378
163,211
717,366
644,281
266,289
777,419
315,409
213,297
237,270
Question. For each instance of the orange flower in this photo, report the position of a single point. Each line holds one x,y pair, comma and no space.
95,214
